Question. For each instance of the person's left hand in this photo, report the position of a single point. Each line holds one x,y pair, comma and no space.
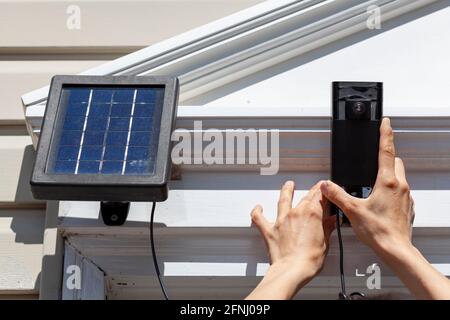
300,235
297,242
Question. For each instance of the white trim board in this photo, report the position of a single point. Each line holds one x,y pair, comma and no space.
198,260
35,114
245,43
237,287
304,140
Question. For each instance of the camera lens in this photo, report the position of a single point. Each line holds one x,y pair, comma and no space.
358,108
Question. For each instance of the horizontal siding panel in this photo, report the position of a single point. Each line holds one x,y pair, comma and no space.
21,234
17,156
107,25
18,77
19,296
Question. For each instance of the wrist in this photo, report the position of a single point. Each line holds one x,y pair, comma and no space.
393,250
283,279
295,270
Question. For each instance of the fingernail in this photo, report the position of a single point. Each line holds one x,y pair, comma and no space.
289,183
324,187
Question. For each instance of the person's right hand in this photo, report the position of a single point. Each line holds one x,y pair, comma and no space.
385,218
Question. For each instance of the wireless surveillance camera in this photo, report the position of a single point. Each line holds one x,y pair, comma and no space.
357,113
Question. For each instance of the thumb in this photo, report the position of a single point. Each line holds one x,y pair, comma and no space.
338,196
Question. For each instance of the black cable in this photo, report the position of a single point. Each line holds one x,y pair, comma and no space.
342,294
155,260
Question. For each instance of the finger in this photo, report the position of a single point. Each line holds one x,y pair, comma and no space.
311,192
285,200
400,171
315,199
386,154
260,221
314,192
339,197
329,224
325,205
316,196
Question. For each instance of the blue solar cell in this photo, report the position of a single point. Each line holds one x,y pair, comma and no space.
112,167
91,152
101,96
65,166
140,138
117,138
76,109
68,153
138,153
142,124
79,95
119,124
121,110
74,123
145,96
94,138
88,166
137,167
99,110
143,110
114,153
124,95
70,138
97,123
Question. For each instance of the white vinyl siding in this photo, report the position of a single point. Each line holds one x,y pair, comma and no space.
105,25
21,233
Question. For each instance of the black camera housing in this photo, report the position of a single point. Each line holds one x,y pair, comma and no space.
357,114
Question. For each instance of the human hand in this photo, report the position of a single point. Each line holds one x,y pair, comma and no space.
298,240
384,219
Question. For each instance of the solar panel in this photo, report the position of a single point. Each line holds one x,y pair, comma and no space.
106,138
108,130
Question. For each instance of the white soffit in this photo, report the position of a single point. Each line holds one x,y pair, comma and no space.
239,45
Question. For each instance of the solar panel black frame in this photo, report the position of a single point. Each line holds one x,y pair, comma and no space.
104,187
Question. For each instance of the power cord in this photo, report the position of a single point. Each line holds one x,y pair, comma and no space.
155,259
343,293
